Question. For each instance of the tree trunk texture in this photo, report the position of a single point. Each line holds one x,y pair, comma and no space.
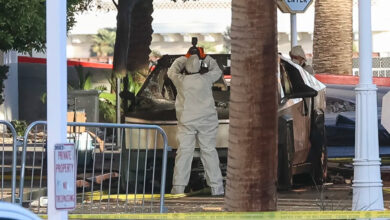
333,37
124,19
140,36
252,155
1,58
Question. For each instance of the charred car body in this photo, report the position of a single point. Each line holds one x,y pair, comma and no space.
340,120
301,119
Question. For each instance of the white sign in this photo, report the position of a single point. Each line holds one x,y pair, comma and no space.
293,6
65,176
386,112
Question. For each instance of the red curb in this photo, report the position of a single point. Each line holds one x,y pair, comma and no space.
344,79
349,80
24,59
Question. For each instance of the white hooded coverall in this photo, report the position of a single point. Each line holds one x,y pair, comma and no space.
197,121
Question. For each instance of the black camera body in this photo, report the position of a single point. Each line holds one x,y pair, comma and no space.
194,41
194,50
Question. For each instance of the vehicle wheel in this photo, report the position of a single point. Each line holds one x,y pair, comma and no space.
129,174
321,169
285,153
318,152
197,179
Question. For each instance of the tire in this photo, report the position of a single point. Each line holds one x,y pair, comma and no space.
318,152
285,153
197,177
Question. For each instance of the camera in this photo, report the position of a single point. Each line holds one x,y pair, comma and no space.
194,41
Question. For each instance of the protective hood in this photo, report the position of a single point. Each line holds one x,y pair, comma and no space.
192,64
298,51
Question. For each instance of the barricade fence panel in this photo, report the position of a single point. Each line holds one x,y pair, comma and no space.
120,167
376,72
8,156
380,67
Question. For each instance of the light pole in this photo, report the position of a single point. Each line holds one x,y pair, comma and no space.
56,93
367,183
293,7
293,30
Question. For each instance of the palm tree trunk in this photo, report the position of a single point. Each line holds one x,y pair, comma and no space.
133,36
140,35
332,44
252,156
1,58
125,9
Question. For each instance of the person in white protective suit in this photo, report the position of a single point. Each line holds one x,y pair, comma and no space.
193,75
298,56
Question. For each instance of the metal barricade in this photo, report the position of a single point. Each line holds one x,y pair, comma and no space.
380,67
120,167
9,145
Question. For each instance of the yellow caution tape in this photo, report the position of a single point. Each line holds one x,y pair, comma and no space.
96,196
340,160
242,215
386,190
384,160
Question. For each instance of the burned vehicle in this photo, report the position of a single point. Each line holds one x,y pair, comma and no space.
301,119
340,120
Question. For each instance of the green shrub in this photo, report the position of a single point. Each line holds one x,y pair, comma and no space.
20,126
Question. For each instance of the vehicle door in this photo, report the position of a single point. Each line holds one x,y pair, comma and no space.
296,103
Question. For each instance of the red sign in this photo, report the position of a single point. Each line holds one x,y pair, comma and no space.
65,176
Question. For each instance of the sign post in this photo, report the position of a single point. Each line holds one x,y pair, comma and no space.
293,30
293,7
56,94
